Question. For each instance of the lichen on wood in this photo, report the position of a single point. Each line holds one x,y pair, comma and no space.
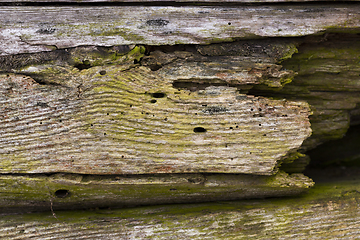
40,192
107,111
329,211
124,121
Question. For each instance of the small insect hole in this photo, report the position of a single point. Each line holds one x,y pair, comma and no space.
199,129
231,127
153,101
84,65
62,193
102,72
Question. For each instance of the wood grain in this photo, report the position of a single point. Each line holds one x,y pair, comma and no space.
330,211
131,121
40,192
34,29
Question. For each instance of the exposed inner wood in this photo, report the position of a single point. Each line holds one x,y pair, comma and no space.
133,122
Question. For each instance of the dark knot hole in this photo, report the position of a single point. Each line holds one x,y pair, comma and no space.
199,129
62,193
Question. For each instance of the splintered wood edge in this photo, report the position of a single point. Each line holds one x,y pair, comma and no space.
135,122
28,29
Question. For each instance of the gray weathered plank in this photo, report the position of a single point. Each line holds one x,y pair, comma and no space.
33,29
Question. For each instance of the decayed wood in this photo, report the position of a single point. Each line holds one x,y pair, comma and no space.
241,63
114,111
34,29
132,121
28,193
330,211
328,74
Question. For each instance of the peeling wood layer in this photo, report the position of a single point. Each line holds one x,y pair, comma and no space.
130,121
328,74
114,111
25,30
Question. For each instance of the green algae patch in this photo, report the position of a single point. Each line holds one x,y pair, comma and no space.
288,52
73,191
291,157
262,218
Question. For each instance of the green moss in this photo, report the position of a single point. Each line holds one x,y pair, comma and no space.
124,33
288,52
221,220
292,157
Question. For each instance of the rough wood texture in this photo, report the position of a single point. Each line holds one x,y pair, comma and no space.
330,211
328,74
130,121
103,125
34,29
114,111
28,193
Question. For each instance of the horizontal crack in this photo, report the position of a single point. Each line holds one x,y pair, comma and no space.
171,3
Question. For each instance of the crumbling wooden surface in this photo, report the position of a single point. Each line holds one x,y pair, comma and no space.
108,114
126,105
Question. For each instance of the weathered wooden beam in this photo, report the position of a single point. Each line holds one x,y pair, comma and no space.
129,120
28,193
109,115
329,211
34,29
